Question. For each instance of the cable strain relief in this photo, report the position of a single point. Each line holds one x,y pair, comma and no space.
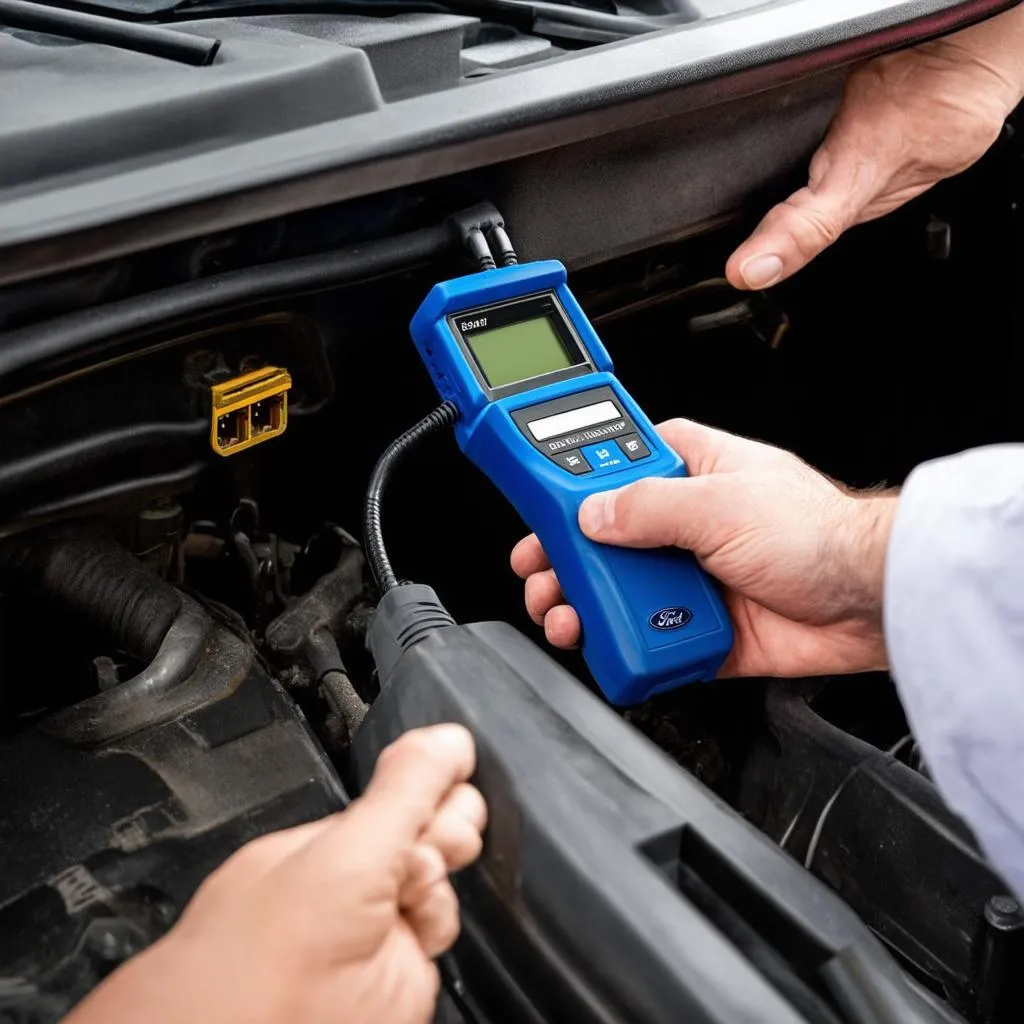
502,245
478,248
472,229
405,615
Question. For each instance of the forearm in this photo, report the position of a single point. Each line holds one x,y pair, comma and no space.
954,622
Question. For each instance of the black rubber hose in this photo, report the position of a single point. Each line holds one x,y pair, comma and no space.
96,580
61,336
373,536
83,453
153,40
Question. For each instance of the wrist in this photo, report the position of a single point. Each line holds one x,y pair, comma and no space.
862,541
129,994
997,47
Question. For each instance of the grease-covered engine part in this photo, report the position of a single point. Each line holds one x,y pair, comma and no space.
115,808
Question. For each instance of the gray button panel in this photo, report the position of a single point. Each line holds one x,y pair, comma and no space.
572,459
634,447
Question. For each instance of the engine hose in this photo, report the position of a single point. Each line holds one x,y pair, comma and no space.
100,326
373,537
95,580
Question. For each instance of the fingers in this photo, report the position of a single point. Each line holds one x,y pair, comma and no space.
456,831
528,557
451,842
435,919
546,606
542,593
562,627
705,449
845,176
425,868
655,512
792,235
412,778
643,515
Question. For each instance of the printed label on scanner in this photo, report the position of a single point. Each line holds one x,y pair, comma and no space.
574,419
575,440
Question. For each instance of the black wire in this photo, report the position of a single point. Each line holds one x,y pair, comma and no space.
476,228
500,240
513,15
100,326
108,29
373,536
476,243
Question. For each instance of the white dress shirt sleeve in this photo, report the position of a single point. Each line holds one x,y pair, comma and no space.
954,622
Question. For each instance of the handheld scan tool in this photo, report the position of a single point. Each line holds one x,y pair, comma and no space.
542,414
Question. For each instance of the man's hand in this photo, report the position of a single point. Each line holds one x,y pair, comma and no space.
801,559
337,920
906,122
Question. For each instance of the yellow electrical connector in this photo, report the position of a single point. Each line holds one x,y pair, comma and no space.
249,409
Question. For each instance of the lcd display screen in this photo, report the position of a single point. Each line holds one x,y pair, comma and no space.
519,351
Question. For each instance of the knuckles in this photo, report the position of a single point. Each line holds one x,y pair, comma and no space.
817,229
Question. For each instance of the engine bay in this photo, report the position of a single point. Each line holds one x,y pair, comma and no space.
185,600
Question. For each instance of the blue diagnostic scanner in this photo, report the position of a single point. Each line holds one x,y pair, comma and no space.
541,413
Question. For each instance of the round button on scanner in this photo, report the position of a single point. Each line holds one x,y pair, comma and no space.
572,460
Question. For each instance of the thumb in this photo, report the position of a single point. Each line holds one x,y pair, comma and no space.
843,181
655,512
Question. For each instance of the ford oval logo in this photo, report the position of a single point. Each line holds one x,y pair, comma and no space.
670,618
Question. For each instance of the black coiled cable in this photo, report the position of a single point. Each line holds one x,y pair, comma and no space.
373,536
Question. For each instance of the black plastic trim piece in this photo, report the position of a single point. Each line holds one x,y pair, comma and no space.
575,894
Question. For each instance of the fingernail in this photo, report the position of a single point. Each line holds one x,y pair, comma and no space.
451,736
596,513
762,271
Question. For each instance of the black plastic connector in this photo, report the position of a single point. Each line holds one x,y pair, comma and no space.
405,616
481,231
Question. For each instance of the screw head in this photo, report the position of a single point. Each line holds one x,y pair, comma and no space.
1004,912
